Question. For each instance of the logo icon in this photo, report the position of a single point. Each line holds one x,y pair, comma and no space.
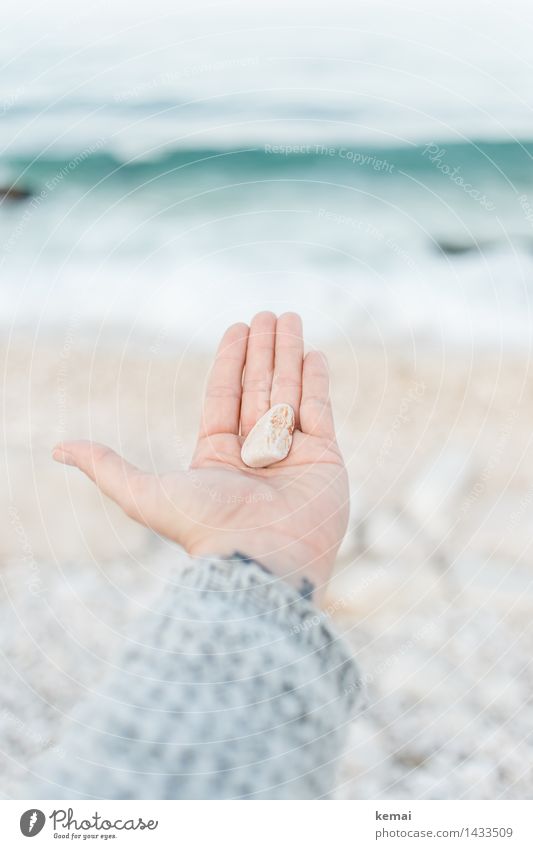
32,822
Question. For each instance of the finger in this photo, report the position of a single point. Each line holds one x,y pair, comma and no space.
258,370
113,475
288,362
316,416
222,403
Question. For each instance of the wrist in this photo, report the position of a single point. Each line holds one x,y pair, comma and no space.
293,562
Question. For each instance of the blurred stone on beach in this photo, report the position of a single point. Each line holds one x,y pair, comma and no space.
11,193
433,587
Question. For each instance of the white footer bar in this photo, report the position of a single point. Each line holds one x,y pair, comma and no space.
269,825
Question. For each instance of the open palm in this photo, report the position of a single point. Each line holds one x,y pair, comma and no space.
291,516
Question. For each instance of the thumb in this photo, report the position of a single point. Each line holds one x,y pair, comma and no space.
113,475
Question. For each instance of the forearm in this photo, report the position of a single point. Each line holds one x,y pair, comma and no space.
233,687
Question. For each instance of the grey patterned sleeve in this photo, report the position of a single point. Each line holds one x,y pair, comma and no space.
234,686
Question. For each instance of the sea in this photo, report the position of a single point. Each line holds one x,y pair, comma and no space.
168,169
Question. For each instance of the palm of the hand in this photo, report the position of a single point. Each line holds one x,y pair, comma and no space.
301,500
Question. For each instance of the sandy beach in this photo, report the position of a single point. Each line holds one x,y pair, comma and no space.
433,587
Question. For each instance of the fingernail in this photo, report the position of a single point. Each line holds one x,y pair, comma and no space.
62,456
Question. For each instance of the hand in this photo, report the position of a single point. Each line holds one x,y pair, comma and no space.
290,517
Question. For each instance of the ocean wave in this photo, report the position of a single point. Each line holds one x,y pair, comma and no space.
494,161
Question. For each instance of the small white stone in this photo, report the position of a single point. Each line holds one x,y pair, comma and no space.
270,439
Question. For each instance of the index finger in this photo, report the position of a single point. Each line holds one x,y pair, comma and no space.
222,402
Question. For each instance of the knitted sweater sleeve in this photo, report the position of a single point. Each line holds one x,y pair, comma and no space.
234,686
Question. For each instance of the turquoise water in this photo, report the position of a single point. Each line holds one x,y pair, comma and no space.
373,171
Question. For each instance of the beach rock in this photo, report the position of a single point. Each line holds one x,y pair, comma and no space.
433,497
11,193
451,248
388,533
270,439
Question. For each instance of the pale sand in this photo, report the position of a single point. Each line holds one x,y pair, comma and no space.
434,582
